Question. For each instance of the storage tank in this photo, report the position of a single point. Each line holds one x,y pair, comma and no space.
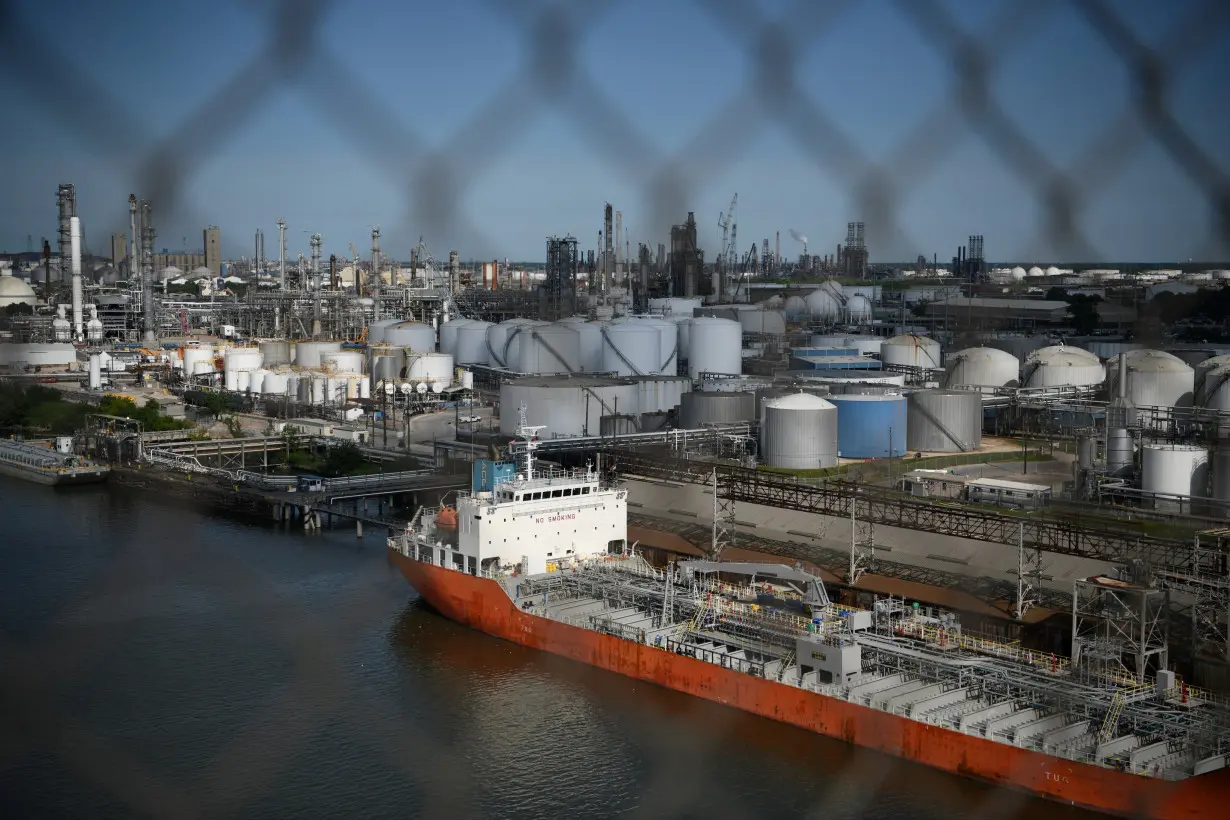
567,406
870,426
1199,394
911,350
471,343
823,304
698,408
798,432
1221,482
794,306
1154,379
274,383
498,340
275,352
715,346
1216,388
1178,471
550,349
257,381
241,358
683,324
308,353
376,330
342,361
763,321
620,425
1061,366
858,310
659,394
631,348
589,344
985,368
448,334
668,343
388,366
336,389
198,360
943,421
429,368
417,336
243,379
674,306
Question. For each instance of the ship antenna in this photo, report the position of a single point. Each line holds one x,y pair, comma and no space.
530,435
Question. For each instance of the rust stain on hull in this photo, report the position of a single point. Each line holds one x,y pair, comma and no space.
483,605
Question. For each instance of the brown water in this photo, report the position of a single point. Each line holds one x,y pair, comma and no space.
157,661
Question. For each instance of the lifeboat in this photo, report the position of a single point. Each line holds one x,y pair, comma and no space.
446,519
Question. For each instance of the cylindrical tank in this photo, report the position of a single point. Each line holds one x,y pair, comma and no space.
256,381
467,379
471,345
1086,452
668,343
984,368
388,366
198,360
95,371
911,351
342,361
275,352
230,380
550,349
799,432
243,379
763,321
631,348
858,310
1154,379
658,394
429,368
870,426
498,336
336,389
823,304
241,358
674,306
619,425
589,345
417,336
1061,366
365,389
273,384
308,353
448,334
943,421
1215,391
1199,393
1174,471
319,386
567,406
1120,453
715,346
698,408
1221,482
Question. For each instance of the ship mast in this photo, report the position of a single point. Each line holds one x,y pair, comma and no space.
530,435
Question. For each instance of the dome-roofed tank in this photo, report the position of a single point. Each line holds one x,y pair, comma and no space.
984,368
550,349
823,304
471,343
1154,379
798,432
566,405
870,426
416,336
1060,366
631,348
1199,393
911,350
715,346
943,421
699,408
1216,389
794,306
858,309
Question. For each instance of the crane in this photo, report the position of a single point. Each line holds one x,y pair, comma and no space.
728,257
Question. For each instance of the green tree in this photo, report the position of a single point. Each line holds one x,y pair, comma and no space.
342,459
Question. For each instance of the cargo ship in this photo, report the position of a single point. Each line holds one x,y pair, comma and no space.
540,557
52,463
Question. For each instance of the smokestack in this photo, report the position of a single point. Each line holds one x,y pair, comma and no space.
74,234
1122,386
46,270
777,251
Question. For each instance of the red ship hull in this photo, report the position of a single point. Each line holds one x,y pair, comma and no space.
483,605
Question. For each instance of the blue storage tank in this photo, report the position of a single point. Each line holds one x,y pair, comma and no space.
487,474
865,424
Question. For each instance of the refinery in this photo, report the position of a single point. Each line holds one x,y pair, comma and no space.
975,516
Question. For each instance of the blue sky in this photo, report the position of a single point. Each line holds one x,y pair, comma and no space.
433,127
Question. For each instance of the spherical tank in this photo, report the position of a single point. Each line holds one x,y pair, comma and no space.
943,421
448,335
589,341
822,304
763,321
471,346
1174,470
799,432
984,368
697,409
342,361
429,368
911,351
275,352
274,384
794,306
631,348
1199,393
550,349
1062,367
567,406
1154,379
307,354
1221,482
870,426
419,337
858,309
376,330
715,346
658,394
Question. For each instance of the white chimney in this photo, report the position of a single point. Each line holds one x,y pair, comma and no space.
74,227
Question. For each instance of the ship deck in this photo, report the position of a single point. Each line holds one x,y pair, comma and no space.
913,664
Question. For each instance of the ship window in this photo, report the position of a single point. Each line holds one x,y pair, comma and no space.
557,493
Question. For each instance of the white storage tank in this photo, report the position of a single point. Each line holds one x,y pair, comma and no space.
342,361
419,337
911,350
376,330
257,381
943,421
274,383
567,406
429,368
715,346
984,368
1174,471
550,349
275,352
242,358
448,334
823,304
243,380
858,310
698,408
1215,389
589,344
1061,366
1199,393
794,306
198,360
659,394
471,345
674,306
388,363
498,336
1154,379
763,321
631,348
799,432
668,343
683,324
336,389
308,353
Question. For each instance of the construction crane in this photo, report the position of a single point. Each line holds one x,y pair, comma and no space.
727,260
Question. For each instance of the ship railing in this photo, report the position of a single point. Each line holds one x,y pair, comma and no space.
959,639
715,657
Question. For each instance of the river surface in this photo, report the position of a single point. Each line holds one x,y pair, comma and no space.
159,661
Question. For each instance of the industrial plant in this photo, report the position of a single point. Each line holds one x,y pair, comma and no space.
1022,454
